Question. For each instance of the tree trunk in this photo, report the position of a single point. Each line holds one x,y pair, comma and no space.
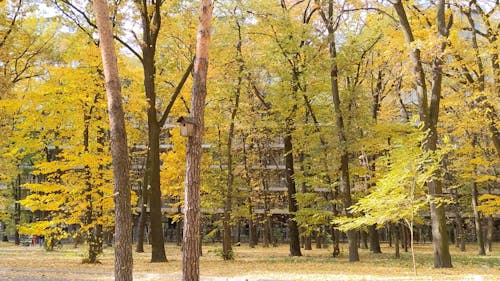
267,229
4,233
293,229
489,233
144,204
374,240
336,242
251,241
155,216
151,21
344,157
252,233
389,234
17,210
429,118
459,224
363,243
95,244
406,239
319,240
119,152
396,231
191,237
307,243
238,232
227,251
178,232
477,221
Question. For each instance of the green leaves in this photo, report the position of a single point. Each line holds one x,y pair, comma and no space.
399,193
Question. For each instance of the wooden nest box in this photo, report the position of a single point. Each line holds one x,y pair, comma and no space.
187,126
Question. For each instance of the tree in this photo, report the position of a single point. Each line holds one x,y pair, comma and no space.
119,151
399,195
25,45
345,183
191,237
150,14
429,115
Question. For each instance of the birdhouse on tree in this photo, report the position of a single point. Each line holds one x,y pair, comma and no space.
187,126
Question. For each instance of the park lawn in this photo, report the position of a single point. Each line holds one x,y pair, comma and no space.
260,263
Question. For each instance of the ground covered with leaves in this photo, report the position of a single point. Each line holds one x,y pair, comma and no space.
33,263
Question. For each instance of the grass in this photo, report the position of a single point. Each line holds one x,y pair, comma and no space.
258,264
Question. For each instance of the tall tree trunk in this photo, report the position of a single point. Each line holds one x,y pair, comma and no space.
151,21
374,240
253,239
489,233
5,238
178,232
396,232
389,234
345,184
17,209
363,243
293,229
227,251
191,237
319,240
119,152
404,241
336,242
144,205
251,231
90,216
459,224
477,221
238,232
95,243
429,117
334,232
267,217
307,242
155,216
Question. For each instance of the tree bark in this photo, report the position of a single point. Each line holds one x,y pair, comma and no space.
151,22
344,153
396,232
157,241
293,229
144,204
119,152
363,243
17,209
389,234
477,221
374,240
227,251
4,233
489,233
191,237
319,240
459,224
429,118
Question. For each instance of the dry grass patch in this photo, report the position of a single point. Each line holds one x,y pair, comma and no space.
258,263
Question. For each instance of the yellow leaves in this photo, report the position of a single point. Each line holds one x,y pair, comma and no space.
486,178
173,168
489,204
